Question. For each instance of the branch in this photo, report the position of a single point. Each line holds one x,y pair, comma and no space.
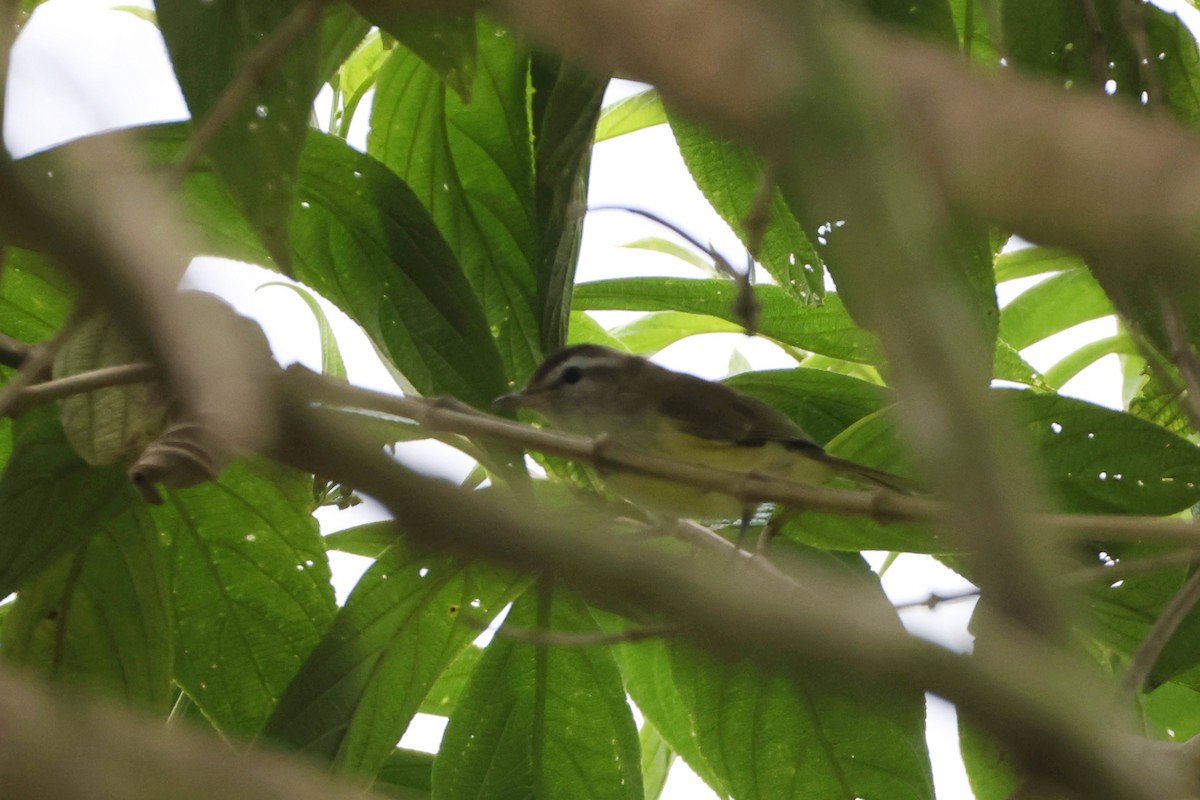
879,505
60,746
49,391
1037,699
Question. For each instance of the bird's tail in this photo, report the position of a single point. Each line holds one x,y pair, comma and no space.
871,475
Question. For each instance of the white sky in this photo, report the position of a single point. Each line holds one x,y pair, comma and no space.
79,67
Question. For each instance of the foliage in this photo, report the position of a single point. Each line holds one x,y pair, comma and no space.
452,243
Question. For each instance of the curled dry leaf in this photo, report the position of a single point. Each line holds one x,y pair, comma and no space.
113,424
165,440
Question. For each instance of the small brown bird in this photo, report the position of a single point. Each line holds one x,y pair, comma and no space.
597,391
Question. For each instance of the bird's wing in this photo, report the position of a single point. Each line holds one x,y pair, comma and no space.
728,416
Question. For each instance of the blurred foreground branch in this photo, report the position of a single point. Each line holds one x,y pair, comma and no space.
57,748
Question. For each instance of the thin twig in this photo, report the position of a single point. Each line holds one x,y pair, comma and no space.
747,307
1160,634
1121,570
257,65
12,352
49,391
38,361
1097,56
548,638
934,600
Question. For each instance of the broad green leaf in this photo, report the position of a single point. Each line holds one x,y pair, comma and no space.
365,242
931,17
1030,261
34,297
251,586
646,670
991,773
1101,461
647,335
585,330
342,30
258,150
370,540
566,105
1057,39
825,329
1173,711
398,631
50,500
1009,366
731,177
101,617
1079,360
1055,304
629,114
1160,400
406,774
472,166
822,403
774,734
657,244
542,722
114,424
443,697
973,19
657,759
331,355
356,77
444,40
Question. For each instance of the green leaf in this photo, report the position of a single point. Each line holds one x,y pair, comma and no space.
444,40
822,403
101,617
731,177
258,150
331,356
370,540
825,329
629,114
1030,261
472,166
1103,461
364,241
146,14
34,297
647,335
1009,366
646,670
342,30
585,330
1079,360
50,500
398,631
448,689
356,77
992,774
657,244
1056,39
924,16
406,774
973,20
251,584
1055,304
565,109
657,759
542,722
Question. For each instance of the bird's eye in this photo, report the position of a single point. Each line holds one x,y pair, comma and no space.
572,374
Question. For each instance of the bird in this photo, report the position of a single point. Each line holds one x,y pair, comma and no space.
628,400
